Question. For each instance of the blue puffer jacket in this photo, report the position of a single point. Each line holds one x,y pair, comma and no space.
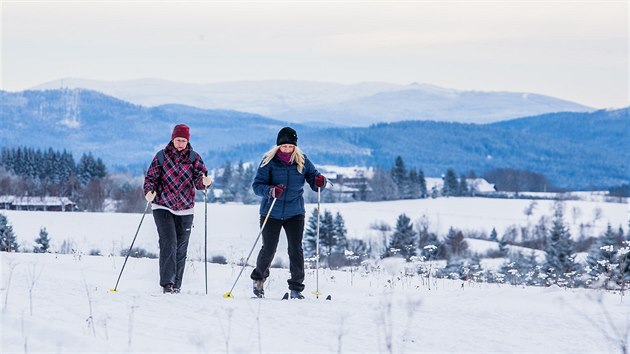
291,202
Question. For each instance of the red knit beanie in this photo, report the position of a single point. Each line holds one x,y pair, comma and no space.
181,131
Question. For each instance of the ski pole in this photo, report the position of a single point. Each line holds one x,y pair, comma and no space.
205,238
229,293
115,289
316,292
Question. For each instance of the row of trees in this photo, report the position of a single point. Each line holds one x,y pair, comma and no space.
49,172
34,172
400,182
607,264
8,239
332,238
235,183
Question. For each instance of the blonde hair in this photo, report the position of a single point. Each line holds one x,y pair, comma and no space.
296,157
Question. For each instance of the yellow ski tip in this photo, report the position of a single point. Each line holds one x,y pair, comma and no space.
228,295
113,290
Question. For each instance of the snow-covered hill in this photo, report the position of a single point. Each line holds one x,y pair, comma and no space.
330,103
63,303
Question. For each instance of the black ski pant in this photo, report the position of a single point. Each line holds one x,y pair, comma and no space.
294,228
174,232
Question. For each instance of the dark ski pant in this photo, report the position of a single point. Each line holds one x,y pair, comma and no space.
174,232
294,228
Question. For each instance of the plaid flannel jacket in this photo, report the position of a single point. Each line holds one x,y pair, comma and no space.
175,182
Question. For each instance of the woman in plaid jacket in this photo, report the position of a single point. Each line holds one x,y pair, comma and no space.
169,185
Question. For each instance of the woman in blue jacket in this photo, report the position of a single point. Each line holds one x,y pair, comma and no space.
281,175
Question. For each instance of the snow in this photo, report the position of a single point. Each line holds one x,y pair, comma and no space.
346,171
63,303
480,185
73,310
232,228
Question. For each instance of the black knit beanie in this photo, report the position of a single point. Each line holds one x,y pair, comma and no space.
287,135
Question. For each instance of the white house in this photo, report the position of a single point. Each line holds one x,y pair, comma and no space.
48,203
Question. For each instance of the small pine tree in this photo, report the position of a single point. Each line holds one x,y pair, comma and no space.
327,238
309,242
8,240
43,241
455,245
520,269
413,185
89,168
340,231
451,185
399,176
603,257
404,241
423,184
494,235
246,191
462,188
559,259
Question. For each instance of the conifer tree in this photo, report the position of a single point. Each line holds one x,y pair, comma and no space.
427,241
327,238
455,245
399,176
8,240
413,185
462,188
493,234
603,258
559,259
246,191
404,241
43,241
225,182
85,167
422,184
450,183
340,231
89,169
520,269
310,235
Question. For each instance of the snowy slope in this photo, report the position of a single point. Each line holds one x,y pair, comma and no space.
62,303
232,228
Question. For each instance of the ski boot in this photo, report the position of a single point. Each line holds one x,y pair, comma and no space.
168,288
295,294
258,288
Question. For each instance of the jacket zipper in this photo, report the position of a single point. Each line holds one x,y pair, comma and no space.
284,203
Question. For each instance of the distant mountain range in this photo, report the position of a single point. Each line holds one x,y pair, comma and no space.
574,150
331,104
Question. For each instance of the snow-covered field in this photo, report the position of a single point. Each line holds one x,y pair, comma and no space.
232,228
62,303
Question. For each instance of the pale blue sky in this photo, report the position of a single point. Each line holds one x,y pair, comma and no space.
574,50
